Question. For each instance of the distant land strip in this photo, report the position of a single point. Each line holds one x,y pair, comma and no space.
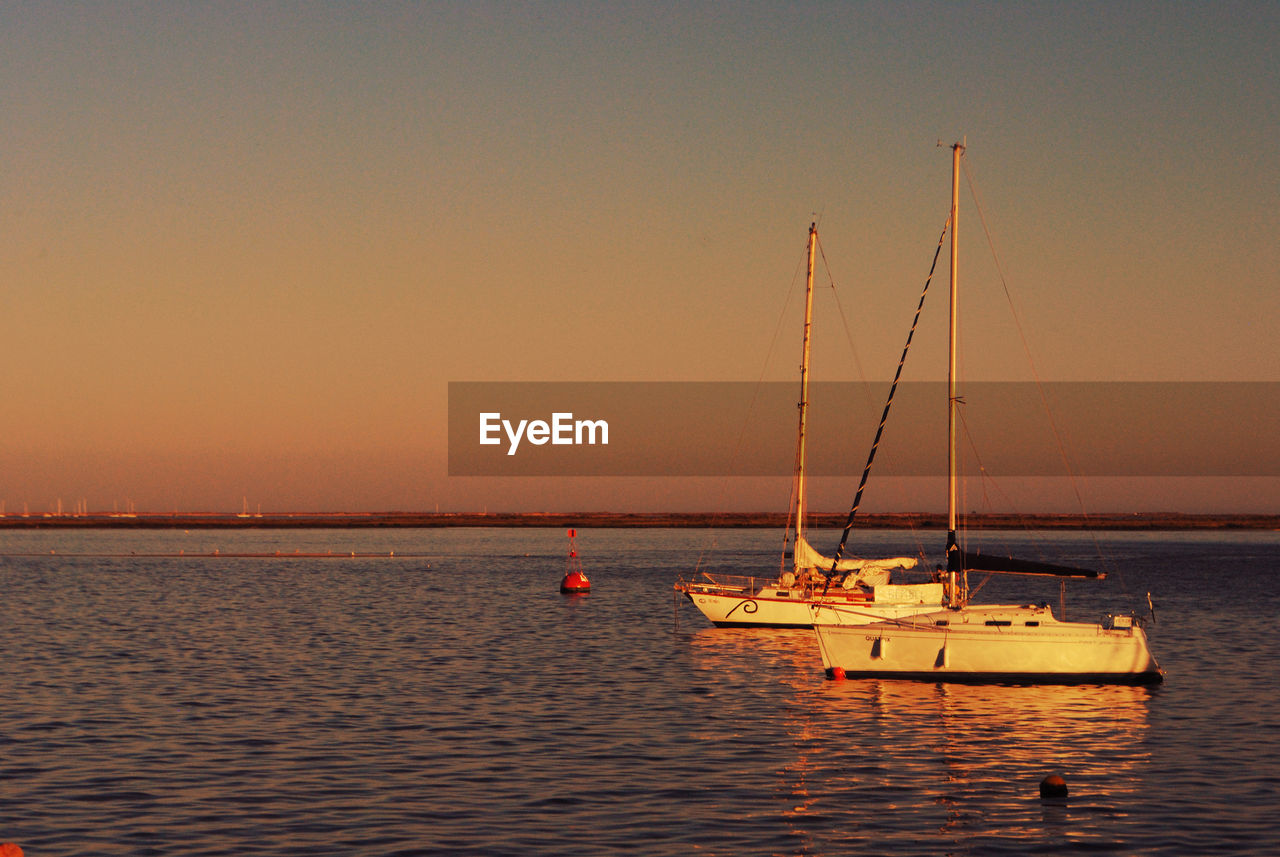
1106,521
217,554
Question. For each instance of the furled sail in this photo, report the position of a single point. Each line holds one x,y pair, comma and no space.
1009,565
869,571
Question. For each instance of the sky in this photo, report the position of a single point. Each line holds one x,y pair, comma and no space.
245,247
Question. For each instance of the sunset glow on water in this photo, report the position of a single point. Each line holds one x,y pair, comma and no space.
454,701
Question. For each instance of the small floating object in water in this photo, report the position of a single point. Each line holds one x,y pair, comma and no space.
10,849
837,673
1053,786
574,582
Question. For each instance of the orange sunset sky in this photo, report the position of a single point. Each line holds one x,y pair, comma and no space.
246,247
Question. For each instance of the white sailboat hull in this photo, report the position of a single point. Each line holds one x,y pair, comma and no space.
773,606
987,643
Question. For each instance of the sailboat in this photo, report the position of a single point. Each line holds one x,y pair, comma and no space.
862,585
975,642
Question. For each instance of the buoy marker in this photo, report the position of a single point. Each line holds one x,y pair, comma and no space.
574,582
1053,786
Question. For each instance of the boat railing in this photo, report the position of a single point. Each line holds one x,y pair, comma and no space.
751,587
739,584
734,583
1122,622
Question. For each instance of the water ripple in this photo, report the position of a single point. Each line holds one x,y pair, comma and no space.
158,706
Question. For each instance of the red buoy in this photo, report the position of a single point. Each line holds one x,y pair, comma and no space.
837,673
574,582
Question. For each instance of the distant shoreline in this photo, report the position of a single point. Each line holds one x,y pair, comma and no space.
1110,521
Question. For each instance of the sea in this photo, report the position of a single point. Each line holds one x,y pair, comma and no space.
430,691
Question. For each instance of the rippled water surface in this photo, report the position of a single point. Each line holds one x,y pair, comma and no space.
450,700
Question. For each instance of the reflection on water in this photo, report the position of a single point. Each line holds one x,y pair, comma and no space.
976,753
459,704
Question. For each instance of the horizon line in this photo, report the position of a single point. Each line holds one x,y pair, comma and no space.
622,519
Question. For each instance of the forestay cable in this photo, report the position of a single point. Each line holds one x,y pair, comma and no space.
884,417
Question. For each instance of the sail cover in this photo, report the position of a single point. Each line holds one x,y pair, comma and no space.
870,571
1009,565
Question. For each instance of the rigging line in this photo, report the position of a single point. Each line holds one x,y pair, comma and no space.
913,621
975,590
795,464
786,529
884,417
988,480
844,319
755,395
1022,336
1072,479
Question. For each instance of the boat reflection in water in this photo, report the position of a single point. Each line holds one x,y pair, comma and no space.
978,752
848,756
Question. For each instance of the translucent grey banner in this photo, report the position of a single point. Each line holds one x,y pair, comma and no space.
748,429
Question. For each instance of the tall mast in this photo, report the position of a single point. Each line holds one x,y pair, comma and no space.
804,381
953,548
